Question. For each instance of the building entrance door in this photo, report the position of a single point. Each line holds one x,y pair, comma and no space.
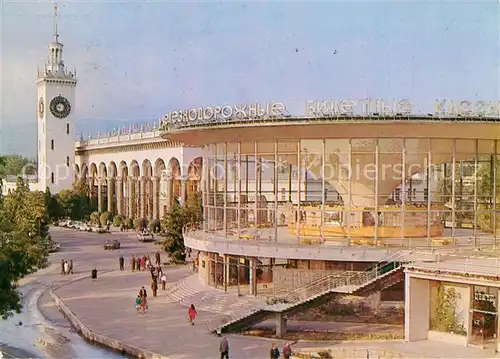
484,328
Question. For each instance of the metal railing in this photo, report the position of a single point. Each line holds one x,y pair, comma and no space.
313,289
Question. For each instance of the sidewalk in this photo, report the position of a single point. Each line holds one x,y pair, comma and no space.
107,307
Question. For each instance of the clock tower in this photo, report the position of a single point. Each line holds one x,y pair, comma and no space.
56,120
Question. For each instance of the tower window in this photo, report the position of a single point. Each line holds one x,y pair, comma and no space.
51,144
67,161
52,177
67,128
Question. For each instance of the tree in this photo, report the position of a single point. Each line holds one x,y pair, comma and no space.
17,165
173,244
23,229
73,203
174,223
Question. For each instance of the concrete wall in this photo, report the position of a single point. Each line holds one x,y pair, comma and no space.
286,278
416,309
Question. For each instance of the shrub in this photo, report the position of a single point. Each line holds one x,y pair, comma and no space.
154,225
94,218
129,223
105,218
118,220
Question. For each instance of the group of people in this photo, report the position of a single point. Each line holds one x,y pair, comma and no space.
141,263
274,353
66,267
141,302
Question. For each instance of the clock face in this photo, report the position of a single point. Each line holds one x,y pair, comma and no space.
60,107
41,108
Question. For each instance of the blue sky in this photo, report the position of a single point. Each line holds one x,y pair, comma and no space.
137,60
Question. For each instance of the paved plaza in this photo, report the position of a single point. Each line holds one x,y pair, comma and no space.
106,306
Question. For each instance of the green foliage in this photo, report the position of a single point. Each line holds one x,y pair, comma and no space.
94,218
174,223
16,165
129,223
445,318
154,225
23,229
118,220
73,203
105,218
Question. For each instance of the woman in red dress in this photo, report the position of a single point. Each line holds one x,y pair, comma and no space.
192,314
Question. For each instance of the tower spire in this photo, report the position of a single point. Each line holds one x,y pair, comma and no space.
56,35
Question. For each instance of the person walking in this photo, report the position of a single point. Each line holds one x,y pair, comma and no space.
154,287
66,267
224,348
157,259
62,266
138,301
71,266
287,350
274,353
122,263
163,281
192,313
94,274
132,263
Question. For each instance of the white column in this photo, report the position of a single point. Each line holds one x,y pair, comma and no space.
119,195
100,202
156,185
252,285
416,309
131,187
142,197
111,183
170,188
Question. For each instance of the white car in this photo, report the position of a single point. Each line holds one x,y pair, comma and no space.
145,237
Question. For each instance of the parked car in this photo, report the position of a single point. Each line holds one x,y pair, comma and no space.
145,237
53,246
111,244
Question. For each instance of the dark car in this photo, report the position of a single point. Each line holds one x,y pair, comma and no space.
111,244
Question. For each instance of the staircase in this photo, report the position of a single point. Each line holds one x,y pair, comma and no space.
384,274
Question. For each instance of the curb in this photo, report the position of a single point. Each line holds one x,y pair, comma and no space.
94,337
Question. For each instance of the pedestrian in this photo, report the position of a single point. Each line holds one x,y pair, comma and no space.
143,263
224,348
143,293
62,266
163,281
94,273
66,267
287,350
122,263
138,264
138,301
132,263
154,287
71,266
144,304
274,353
192,313
157,259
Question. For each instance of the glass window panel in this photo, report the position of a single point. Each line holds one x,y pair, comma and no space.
311,146
466,147
363,145
247,148
390,145
265,147
232,148
287,146
417,145
220,147
389,179
337,146
486,146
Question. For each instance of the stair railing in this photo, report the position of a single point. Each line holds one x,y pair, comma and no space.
309,290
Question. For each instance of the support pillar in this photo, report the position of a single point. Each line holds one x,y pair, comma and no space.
170,189
156,186
142,197
281,324
183,194
100,202
252,280
91,191
119,195
111,183
131,186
